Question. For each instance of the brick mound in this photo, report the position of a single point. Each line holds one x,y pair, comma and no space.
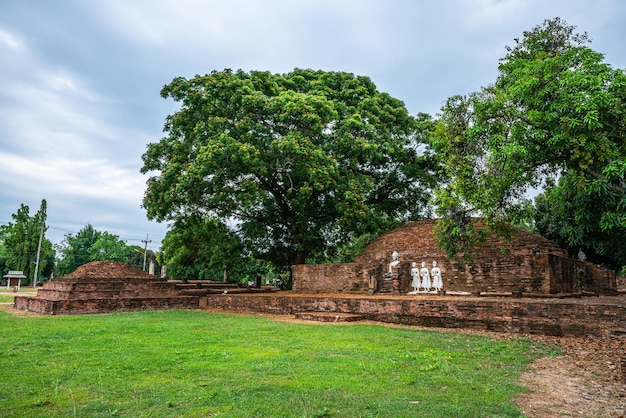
105,286
108,270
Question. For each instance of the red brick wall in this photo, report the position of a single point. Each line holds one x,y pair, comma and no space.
69,295
576,317
103,305
331,278
500,266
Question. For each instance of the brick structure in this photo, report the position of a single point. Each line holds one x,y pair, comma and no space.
525,264
105,286
599,317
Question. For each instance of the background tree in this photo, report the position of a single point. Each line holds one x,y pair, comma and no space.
74,250
4,256
111,248
206,248
556,114
91,245
298,160
21,240
565,216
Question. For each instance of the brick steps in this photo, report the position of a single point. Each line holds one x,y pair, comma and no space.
100,287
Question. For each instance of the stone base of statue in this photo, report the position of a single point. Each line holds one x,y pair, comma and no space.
427,292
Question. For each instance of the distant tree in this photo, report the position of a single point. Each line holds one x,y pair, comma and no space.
92,245
570,219
111,248
137,257
200,248
353,247
298,161
556,114
74,251
21,240
4,256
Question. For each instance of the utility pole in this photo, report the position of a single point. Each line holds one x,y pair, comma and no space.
38,253
145,251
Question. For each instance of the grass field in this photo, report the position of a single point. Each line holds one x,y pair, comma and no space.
200,364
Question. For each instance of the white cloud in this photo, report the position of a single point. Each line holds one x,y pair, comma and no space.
10,40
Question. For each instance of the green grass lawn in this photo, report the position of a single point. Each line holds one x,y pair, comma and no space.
199,364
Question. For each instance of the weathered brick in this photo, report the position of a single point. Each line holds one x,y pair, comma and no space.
105,286
558,317
501,266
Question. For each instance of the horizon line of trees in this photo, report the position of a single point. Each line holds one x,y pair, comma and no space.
19,247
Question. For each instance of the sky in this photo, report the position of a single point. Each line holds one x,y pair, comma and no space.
80,80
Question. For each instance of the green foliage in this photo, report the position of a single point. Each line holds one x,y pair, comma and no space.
555,111
91,245
570,219
196,248
110,247
353,247
74,251
20,241
298,160
198,364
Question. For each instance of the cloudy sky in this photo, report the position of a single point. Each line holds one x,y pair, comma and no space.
80,79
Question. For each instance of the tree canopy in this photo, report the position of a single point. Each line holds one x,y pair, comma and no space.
555,118
295,161
21,241
90,244
205,248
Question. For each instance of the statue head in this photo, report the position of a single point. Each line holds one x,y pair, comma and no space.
394,255
434,264
414,264
423,264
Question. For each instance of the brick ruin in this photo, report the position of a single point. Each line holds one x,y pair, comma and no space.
106,286
525,265
543,290
598,317
524,285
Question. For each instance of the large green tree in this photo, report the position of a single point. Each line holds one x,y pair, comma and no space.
570,219
295,161
21,238
555,115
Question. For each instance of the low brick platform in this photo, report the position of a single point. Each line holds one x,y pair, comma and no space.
105,286
103,305
592,316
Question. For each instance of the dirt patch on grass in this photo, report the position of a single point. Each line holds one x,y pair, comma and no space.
586,382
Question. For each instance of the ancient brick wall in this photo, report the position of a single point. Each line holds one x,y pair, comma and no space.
573,317
333,278
526,263
103,305
85,288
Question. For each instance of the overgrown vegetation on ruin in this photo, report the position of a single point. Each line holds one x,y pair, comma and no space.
191,363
